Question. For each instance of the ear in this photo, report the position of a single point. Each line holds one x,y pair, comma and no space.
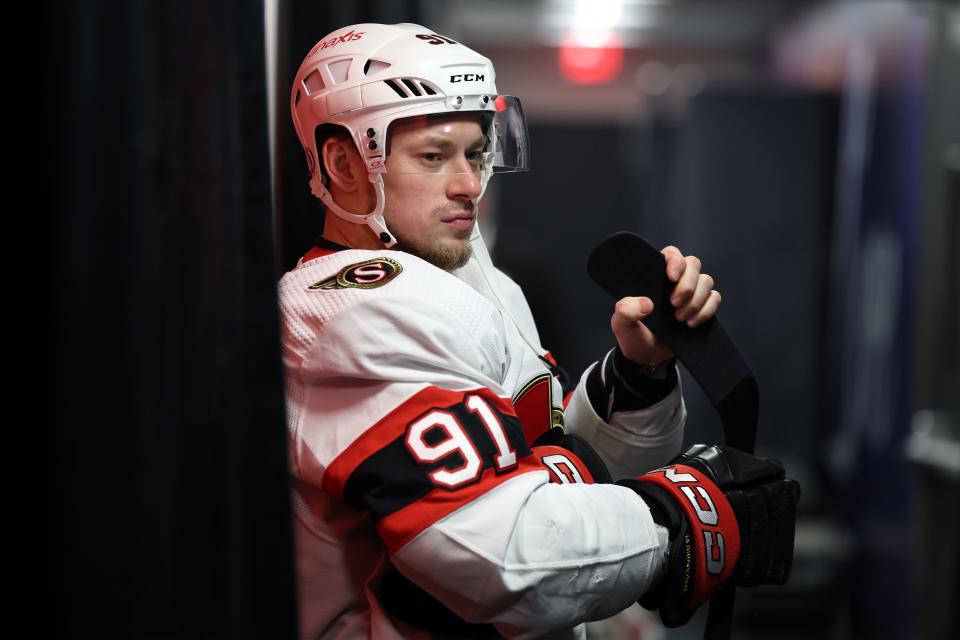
343,164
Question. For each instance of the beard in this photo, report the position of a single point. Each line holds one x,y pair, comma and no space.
438,254
445,257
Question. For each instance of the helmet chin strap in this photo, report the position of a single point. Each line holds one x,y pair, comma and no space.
374,219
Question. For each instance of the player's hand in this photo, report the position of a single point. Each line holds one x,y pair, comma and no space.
694,300
731,517
765,503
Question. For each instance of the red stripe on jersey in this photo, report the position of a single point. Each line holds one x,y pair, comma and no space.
403,525
550,358
558,460
317,252
566,399
393,426
534,406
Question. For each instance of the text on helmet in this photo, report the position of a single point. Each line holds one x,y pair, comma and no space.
467,77
334,41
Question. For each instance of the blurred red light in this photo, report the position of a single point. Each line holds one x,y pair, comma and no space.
590,65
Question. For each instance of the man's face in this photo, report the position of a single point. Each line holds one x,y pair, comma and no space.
433,175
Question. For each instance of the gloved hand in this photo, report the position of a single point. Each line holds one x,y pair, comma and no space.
730,516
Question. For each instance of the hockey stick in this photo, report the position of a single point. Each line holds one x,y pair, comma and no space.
627,265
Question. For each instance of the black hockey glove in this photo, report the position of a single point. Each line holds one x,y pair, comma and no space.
731,516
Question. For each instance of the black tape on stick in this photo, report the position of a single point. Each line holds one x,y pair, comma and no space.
627,265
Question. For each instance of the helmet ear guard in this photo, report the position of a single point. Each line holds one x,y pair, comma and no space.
373,219
318,186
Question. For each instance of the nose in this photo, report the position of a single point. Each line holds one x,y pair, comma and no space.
465,183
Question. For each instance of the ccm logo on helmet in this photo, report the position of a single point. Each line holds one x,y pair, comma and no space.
334,41
467,77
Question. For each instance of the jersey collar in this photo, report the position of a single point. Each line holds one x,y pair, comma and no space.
322,247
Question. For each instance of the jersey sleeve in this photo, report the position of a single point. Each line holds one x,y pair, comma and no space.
632,434
404,418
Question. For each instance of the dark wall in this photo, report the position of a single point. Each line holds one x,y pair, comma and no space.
550,218
164,498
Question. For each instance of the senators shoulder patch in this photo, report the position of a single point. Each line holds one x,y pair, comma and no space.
368,274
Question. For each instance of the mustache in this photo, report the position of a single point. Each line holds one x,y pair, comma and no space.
445,210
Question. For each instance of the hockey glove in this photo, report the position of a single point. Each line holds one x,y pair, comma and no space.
730,516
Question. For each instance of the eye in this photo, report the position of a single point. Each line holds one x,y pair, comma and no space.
475,157
431,157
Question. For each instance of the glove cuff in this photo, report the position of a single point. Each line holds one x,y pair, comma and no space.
704,536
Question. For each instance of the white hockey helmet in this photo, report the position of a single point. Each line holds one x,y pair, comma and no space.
365,76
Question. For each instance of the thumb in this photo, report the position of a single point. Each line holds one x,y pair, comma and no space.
631,310
636,341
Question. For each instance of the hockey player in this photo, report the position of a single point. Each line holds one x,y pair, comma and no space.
439,486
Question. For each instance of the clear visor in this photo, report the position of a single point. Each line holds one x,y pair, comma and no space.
460,141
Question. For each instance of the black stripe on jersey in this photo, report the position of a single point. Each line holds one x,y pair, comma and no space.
393,478
323,243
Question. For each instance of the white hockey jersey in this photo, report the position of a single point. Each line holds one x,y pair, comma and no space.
413,396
